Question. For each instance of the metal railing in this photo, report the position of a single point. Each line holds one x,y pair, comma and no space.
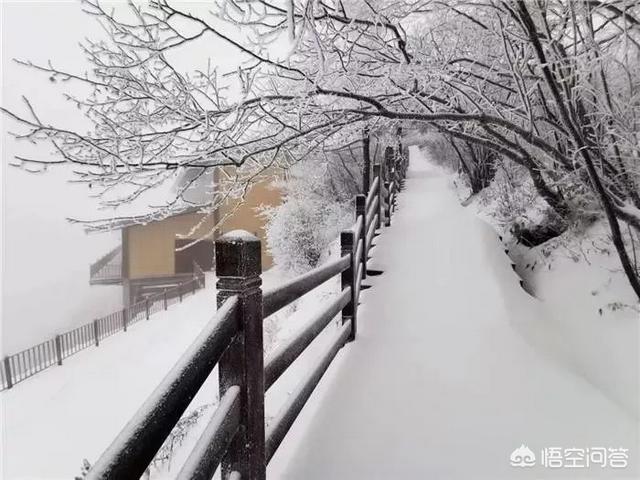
22,365
108,268
236,438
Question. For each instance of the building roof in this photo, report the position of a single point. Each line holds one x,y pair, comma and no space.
189,190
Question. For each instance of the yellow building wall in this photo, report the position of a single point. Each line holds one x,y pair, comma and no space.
150,248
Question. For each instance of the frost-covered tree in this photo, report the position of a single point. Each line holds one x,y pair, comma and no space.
548,85
317,205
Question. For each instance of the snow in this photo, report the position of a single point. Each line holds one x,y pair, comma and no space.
443,381
64,414
591,319
440,382
239,235
592,313
54,420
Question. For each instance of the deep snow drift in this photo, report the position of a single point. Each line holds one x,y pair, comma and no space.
440,382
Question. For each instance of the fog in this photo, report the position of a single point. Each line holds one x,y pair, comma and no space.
45,259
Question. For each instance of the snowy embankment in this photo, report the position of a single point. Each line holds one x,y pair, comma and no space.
591,317
441,382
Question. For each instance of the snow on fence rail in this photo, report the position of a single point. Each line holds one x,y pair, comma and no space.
22,365
236,437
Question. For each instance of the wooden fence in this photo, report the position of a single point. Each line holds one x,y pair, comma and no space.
236,436
22,365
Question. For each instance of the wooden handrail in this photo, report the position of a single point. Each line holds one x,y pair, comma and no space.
371,232
236,437
279,297
214,441
135,446
373,192
282,358
281,424
372,212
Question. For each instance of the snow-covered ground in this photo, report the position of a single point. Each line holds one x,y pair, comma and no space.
445,381
54,420
591,319
64,414
441,383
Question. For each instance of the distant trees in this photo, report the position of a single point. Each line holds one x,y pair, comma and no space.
317,205
549,85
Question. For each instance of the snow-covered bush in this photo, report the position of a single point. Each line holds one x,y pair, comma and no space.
318,203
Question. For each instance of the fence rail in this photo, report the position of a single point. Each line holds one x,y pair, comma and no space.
236,438
22,365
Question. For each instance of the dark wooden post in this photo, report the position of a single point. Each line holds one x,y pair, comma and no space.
361,209
146,307
180,291
96,333
387,190
399,154
124,318
164,296
377,174
388,163
366,155
58,349
348,279
7,372
193,286
238,265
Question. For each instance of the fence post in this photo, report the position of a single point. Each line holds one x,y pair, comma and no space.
124,318
193,286
58,349
399,155
388,163
366,155
180,291
348,279
376,174
361,209
7,372
96,333
387,221
238,265
164,296
146,306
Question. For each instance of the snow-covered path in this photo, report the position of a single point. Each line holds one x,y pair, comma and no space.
439,383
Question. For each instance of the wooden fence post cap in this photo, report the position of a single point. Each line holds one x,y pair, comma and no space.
346,237
238,254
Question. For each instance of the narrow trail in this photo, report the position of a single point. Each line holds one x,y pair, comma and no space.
439,383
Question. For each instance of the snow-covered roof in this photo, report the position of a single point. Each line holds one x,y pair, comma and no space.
185,191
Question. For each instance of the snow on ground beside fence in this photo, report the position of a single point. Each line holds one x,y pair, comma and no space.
61,416
58,417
